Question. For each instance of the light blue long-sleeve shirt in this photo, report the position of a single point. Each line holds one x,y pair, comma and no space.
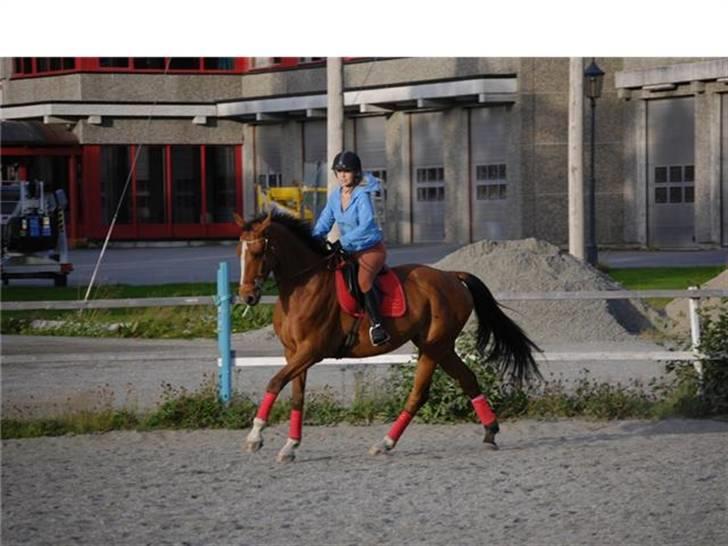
358,223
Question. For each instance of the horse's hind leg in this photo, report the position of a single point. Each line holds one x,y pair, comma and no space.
287,452
416,399
456,368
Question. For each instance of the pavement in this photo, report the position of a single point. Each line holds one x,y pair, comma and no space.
198,263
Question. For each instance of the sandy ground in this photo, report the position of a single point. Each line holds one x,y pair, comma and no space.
567,482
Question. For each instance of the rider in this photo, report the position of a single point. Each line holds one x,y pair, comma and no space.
350,206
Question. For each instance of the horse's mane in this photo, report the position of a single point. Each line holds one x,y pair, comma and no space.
299,227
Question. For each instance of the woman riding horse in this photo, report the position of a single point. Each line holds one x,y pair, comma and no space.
350,206
312,326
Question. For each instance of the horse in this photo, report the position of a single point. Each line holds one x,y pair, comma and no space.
311,325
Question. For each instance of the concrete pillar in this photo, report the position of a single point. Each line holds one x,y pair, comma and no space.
334,114
399,179
576,158
457,184
249,174
707,168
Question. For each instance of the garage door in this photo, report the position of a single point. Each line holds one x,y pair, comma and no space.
268,155
370,144
315,172
671,172
428,209
489,173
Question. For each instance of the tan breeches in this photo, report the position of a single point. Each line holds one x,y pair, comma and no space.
370,261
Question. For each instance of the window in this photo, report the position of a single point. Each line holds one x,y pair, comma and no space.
150,176
42,65
270,180
676,184
186,184
149,63
431,193
114,62
184,63
220,164
218,63
676,174
114,174
310,59
490,182
432,183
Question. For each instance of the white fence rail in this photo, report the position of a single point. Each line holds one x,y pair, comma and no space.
499,296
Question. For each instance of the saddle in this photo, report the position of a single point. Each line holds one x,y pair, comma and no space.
387,289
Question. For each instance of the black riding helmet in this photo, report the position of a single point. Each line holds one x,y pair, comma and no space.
347,161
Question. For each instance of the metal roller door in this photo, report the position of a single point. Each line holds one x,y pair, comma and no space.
489,173
671,172
268,155
371,146
428,194
315,170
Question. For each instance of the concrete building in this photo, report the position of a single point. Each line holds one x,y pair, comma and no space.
469,148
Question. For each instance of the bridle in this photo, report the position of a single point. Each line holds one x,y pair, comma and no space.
259,278
330,261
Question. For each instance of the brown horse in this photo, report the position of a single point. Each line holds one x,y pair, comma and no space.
311,325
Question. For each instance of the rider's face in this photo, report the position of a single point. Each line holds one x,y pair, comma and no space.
346,178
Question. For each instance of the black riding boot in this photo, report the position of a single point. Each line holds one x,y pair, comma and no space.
377,334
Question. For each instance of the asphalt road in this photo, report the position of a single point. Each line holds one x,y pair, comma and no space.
183,264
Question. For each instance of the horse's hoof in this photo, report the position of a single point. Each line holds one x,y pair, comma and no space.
287,454
384,446
286,457
489,438
252,447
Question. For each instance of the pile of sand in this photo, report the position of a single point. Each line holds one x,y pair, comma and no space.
530,265
677,309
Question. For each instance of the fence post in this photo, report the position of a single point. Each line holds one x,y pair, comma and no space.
223,332
694,304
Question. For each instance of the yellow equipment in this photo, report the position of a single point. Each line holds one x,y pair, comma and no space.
299,201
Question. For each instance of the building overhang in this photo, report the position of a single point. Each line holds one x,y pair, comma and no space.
660,78
371,101
380,100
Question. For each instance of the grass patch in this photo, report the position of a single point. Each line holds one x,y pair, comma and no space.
120,291
663,278
137,322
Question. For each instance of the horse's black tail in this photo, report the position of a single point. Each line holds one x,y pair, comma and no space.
511,349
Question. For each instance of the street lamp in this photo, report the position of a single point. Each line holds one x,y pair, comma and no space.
593,77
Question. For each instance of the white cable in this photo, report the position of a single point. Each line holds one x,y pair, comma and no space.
123,194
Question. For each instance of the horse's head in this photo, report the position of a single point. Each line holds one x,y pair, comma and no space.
256,258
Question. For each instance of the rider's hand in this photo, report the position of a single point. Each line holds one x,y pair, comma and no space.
335,247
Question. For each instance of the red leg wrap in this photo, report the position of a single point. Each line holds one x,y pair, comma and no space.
296,424
484,411
266,405
399,425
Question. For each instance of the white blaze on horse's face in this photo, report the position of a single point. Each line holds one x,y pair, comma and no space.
253,267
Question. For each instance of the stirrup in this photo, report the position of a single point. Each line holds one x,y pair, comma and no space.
382,336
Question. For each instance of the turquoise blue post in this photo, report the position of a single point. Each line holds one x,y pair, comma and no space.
223,332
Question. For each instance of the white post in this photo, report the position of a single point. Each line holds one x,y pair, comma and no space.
694,305
577,247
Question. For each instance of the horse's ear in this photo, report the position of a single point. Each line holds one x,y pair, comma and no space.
238,219
265,223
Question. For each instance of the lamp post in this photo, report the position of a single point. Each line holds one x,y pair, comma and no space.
593,79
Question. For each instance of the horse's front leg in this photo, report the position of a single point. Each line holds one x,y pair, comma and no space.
295,428
296,365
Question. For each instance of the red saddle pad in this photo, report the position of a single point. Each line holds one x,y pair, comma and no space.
392,303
